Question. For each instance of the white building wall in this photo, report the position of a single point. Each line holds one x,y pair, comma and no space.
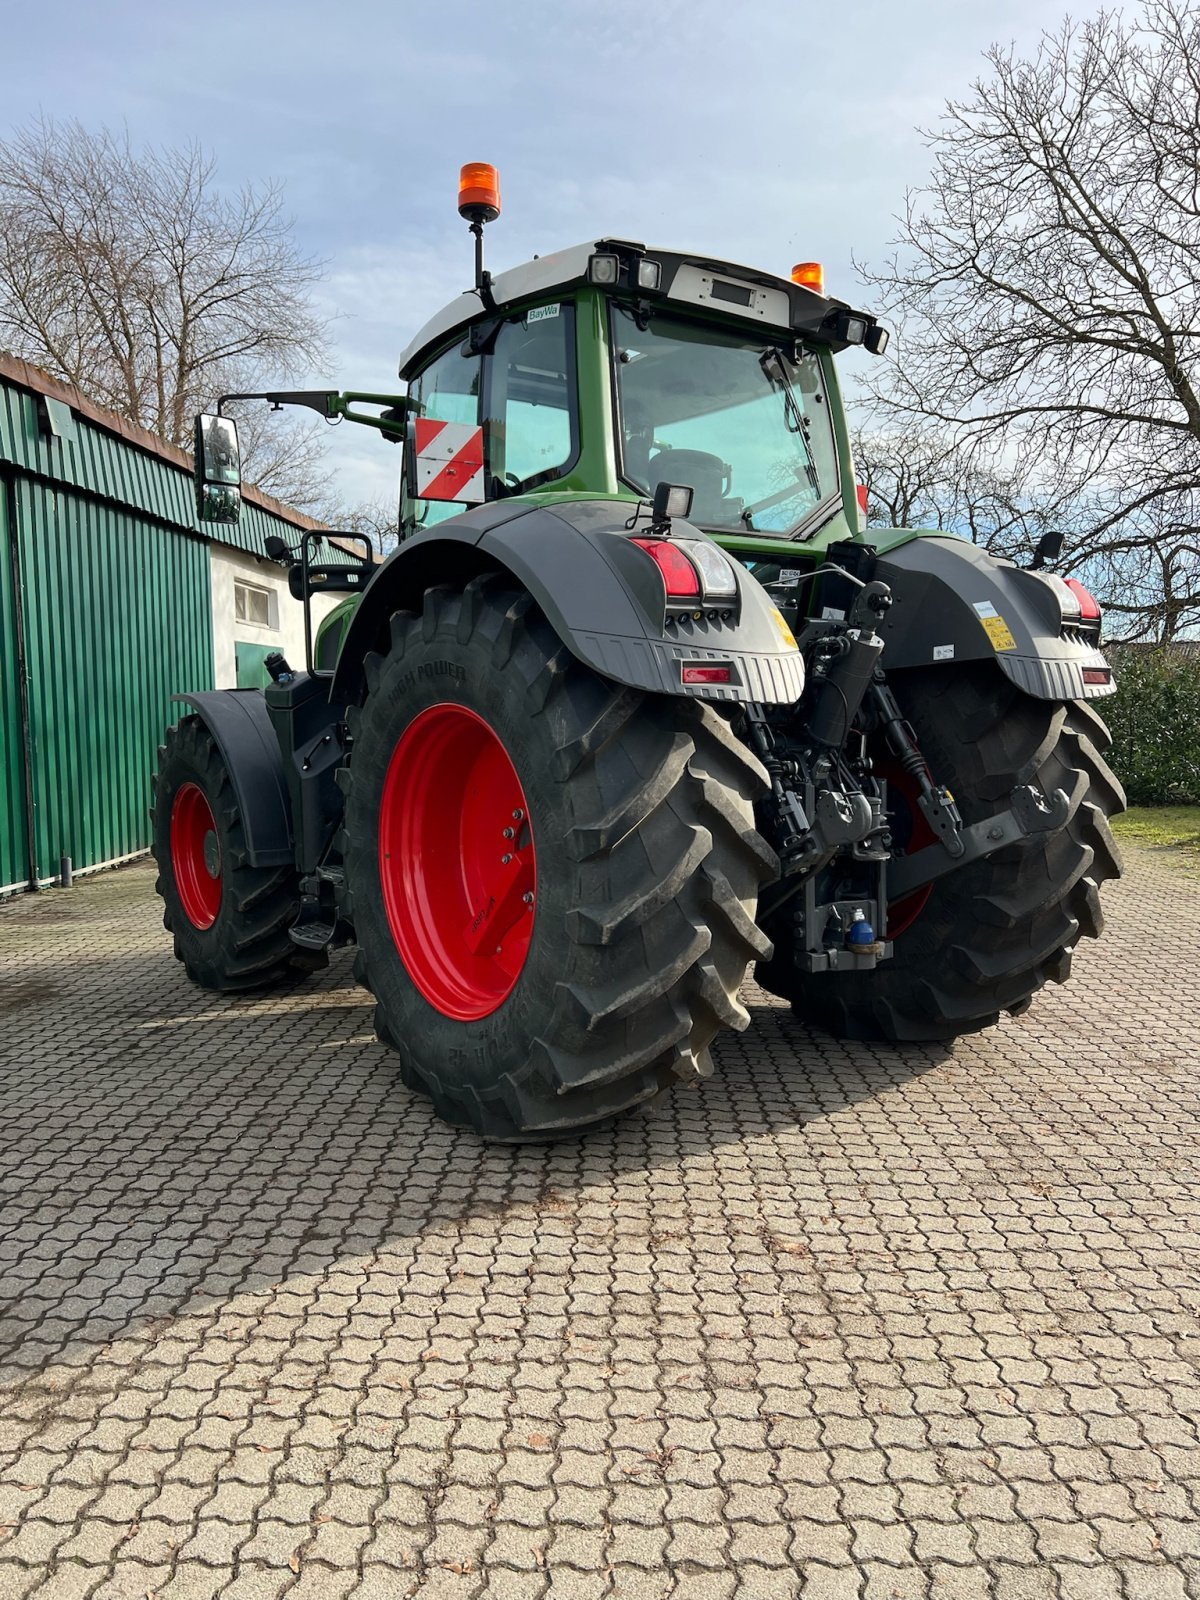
286,630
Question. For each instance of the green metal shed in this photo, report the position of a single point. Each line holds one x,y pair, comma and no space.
105,613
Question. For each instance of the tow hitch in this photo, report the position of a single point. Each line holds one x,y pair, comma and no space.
1029,812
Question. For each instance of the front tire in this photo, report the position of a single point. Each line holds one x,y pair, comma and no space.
619,914
229,919
984,939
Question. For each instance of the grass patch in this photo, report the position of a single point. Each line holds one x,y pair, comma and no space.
1170,828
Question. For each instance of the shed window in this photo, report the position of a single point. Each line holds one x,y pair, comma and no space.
253,604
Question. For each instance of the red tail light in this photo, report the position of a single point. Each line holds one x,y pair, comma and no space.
680,577
1089,606
861,491
706,674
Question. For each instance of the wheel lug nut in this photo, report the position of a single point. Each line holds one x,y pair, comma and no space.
509,833
504,860
518,814
528,897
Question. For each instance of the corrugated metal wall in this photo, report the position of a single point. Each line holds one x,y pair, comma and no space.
117,619
115,598
14,850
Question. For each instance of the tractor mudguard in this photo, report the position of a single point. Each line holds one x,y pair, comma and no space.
239,722
953,602
600,593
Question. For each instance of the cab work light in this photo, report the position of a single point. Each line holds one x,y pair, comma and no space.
603,269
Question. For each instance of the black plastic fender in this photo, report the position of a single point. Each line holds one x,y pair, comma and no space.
600,593
239,722
953,602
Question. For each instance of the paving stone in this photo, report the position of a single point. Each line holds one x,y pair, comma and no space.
843,1322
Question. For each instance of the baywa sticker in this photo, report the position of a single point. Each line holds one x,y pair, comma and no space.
943,652
984,608
541,314
998,632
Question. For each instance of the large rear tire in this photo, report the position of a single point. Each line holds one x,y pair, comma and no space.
984,939
552,879
229,919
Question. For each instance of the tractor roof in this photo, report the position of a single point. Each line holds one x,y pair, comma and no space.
741,294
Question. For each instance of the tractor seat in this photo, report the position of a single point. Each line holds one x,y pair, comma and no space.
709,478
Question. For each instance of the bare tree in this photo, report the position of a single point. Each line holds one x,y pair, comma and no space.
918,478
378,518
1046,291
132,275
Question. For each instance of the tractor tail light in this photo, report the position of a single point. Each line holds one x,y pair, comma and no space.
680,578
862,494
1089,606
705,674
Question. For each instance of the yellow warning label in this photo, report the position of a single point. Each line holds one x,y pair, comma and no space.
998,632
789,638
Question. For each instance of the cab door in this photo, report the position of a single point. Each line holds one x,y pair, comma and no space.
521,390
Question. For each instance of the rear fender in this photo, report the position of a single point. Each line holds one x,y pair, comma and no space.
240,725
598,592
952,602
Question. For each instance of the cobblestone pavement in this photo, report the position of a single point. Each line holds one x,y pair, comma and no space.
840,1322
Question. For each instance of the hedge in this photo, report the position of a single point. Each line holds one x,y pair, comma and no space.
1155,722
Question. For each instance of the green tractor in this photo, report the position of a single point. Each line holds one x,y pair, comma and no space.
635,704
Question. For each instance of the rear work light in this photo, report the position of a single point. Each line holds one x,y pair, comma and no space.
1089,606
716,570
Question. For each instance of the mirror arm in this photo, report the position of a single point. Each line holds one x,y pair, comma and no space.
321,400
335,406
392,422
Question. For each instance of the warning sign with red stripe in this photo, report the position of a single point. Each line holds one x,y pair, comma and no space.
449,461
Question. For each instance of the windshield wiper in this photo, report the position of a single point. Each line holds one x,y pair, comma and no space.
796,420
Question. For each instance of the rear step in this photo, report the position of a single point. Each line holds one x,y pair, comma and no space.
316,924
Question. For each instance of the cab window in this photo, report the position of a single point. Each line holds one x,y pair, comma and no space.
530,420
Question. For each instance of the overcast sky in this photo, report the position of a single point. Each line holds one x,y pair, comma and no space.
766,131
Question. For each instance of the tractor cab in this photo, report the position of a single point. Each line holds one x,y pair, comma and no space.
605,369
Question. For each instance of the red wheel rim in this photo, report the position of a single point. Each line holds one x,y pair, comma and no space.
457,862
901,914
196,855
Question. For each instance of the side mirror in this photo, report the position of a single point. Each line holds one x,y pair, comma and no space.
218,470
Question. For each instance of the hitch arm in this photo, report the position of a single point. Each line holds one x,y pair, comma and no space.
1030,812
